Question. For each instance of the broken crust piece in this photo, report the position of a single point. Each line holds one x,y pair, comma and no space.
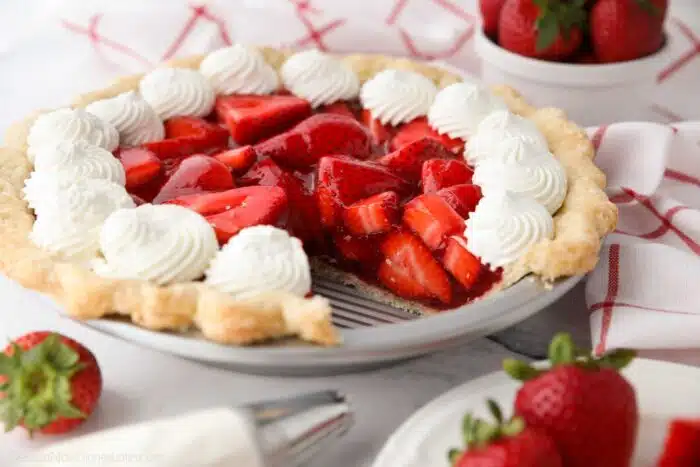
585,218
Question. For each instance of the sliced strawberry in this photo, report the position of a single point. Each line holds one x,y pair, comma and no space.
252,118
432,219
380,133
439,173
463,198
233,210
464,266
304,219
376,214
140,165
196,174
408,161
361,250
239,159
419,128
209,134
410,271
317,136
342,181
188,135
682,446
338,108
265,172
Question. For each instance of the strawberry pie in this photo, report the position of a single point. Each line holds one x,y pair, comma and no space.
209,192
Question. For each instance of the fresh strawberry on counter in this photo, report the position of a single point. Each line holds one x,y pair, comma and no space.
48,383
583,402
507,443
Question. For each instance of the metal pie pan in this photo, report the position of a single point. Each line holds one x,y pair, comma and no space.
362,349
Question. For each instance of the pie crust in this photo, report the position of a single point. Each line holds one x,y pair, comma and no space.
586,216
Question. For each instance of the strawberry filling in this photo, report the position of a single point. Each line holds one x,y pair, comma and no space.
385,203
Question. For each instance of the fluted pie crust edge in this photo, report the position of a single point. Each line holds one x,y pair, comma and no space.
586,216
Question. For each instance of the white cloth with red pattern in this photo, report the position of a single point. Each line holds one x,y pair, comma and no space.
645,292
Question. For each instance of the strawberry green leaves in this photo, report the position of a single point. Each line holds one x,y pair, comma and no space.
558,17
563,351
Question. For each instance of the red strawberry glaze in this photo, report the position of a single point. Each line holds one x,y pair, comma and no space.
341,184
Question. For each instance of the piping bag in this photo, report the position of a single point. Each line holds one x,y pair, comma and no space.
285,432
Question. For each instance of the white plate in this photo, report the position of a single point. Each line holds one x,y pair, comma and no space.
362,348
664,391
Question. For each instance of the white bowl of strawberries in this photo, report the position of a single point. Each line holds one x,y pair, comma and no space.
596,59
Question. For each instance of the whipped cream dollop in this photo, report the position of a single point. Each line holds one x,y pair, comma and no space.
239,69
520,166
261,259
70,215
51,128
497,127
504,226
319,78
178,91
132,116
460,107
76,159
397,96
162,243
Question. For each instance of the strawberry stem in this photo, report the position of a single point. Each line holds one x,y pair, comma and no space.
649,7
563,351
557,17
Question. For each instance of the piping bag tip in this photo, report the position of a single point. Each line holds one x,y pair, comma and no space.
292,430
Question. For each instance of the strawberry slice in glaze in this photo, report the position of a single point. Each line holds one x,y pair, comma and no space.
407,161
185,136
419,128
432,219
437,174
342,181
252,118
196,174
410,270
317,136
233,210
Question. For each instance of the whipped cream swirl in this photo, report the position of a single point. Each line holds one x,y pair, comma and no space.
77,159
319,78
523,168
160,243
51,128
261,259
460,107
70,215
499,126
178,91
131,115
397,96
239,69
504,226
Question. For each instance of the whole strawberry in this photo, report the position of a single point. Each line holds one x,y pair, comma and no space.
48,383
626,29
490,13
544,29
584,403
507,443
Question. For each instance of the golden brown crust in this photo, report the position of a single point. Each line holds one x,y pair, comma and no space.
586,216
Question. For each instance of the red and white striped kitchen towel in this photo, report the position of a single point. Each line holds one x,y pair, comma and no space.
645,292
